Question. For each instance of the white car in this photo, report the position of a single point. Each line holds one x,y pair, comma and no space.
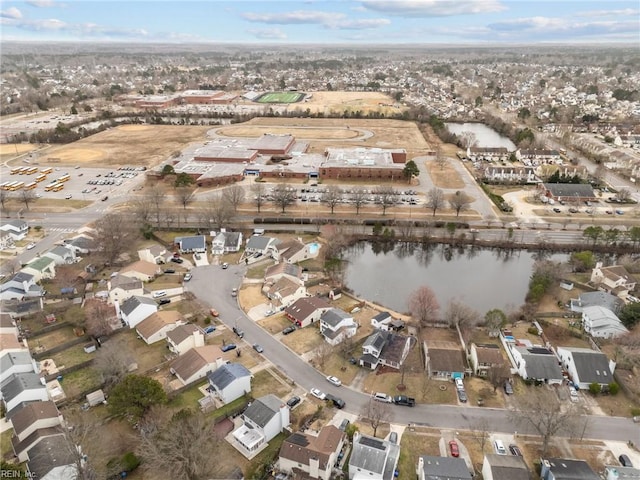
318,394
68,196
31,245
459,384
334,380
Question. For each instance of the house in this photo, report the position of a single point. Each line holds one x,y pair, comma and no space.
153,254
7,325
22,387
442,468
385,348
21,285
82,244
601,322
17,229
196,363
226,242
16,362
445,363
122,287
41,268
283,270
538,155
184,337
9,343
372,458
311,455
284,292
141,270
6,240
487,153
21,449
262,420
62,255
485,356
586,366
193,244
51,459
135,309
259,246
504,467
509,174
28,420
615,280
621,473
156,326
336,325
596,299
229,382
307,310
537,363
577,192
566,469
384,321
294,251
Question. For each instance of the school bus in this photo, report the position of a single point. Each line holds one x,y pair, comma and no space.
40,178
3,185
32,170
8,185
30,186
64,178
58,187
15,170
17,186
23,170
46,170
51,186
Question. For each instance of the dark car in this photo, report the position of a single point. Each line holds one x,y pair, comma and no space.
177,260
105,198
169,270
228,347
337,402
238,332
289,330
344,425
293,401
625,461
164,301
258,348
508,389
515,450
462,395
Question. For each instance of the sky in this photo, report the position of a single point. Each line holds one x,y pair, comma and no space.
323,22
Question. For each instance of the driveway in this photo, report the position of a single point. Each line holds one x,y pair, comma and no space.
447,436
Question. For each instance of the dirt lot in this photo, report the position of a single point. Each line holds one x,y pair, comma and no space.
251,295
144,145
350,101
10,151
444,176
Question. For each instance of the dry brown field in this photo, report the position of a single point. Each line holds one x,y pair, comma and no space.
339,102
9,151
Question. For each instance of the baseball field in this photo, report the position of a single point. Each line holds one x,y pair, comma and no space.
280,97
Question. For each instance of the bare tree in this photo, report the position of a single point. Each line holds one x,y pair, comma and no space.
460,201
623,195
283,196
481,431
157,199
385,196
545,414
234,196
424,305
142,209
376,413
185,449
322,354
185,196
112,361
435,199
460,315
359,198
497,375
258,195
66,276
218,211
468,139
81,441
114,234
441,160
332,197
27,197
100,316
4,196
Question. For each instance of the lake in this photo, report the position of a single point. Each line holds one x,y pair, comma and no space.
485,136
480,278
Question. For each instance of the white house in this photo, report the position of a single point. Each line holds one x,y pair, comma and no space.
196,363
439,468
22,387
537,363
284,292
122,287
50,459
336,325
614,279
16,362
384,321
294,251
229,382
62,255
6,240
372,458
307,310
261,246
19,286
586,366
41,268
566,469
311,454
184,337
262,420
601,322
142,270
385,348
153,254
82,244
226,242
18,229
32,417
156,326
500,467
135,309
193,244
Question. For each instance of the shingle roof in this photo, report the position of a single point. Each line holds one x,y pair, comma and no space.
6,320
334,316
283,269
376,340
445,468
19,446
126,283
263,409
31,413
540,364
195,359
226,374
182,332
374,455
569,469
141,266
61,251
48,454
303,307
196,242
569,190
591,366
10,359
507,467
157,321
301,447
489,353
446,360
130,304
18,383
260,242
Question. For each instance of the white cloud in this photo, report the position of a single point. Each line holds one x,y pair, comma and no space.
296,17
363,24
268,33
433,8
12,13
42,3
626,12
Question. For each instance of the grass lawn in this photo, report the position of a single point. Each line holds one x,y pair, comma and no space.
479,388
72,356
412,446
53,339
147,356
338,366
275,323
5,443
257,271
616,405
303,340
264,383
79,381
188,398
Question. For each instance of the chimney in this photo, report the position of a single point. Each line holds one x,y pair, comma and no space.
117,305
198,338
420,467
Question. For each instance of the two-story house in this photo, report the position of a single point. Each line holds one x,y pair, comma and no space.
135,309
229,382
614,279
62,255
384,321
537,363
19,286
566,469
601,322
259,247
385,348
153,254
18,229
284,292
184,337
373,458
122,287
307,310
265,418
197,363
442,468
31,424
226,242
586,366
22,387
16,362
42,268
485,356
336,325
311,455
6,240
141,270
156,326
51,459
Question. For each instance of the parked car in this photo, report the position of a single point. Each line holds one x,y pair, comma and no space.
169,270
225,265
453,448
31,245
508,388
334,380
68,196
187,276
625,461
228,347
344,424
214,312
337,402
164,301
404,400
382,397
105,198
318,393
289,330
293,401
238,332
234,292
499,447
515,450
557,210
209,329
459,384
258,348
177,260
462,396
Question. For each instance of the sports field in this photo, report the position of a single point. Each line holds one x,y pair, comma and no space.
280,97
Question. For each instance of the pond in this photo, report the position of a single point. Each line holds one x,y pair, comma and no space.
480,278
485,136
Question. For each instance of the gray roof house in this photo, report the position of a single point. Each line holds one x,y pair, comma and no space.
602,323
259,245
336,325
263,419
385,348
21,285
226,242
135,309
504,467
442,468
18,229
16,362
50,459
537,363
22,387
62,255
586,366
596,299
81,244
196,243
230,382
373,458
566,469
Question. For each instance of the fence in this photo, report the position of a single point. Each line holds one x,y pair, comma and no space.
59,348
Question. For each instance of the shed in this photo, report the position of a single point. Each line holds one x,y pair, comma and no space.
90,348
95,398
